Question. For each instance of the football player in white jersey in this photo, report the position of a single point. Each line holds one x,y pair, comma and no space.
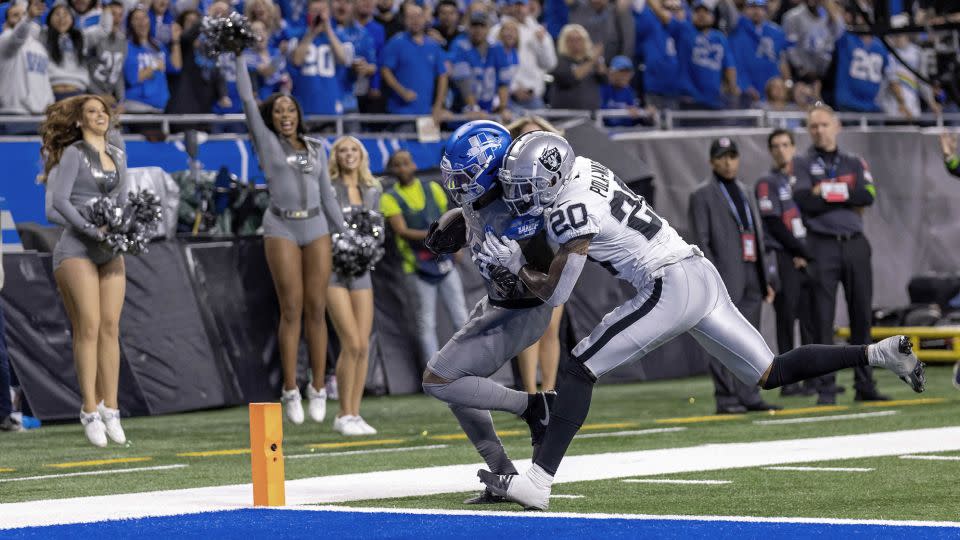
590,213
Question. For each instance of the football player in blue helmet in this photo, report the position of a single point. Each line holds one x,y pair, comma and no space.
508,319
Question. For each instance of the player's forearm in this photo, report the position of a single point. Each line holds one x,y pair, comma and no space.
558,283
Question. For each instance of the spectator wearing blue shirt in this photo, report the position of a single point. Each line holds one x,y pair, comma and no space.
363,11
354,78
414,69
556,15
314,61
479,70
861,68
266,64
147,64
294,13
86,13
161,21
617,93
759,47
661,75
707,64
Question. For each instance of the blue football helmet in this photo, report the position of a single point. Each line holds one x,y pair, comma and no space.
472,159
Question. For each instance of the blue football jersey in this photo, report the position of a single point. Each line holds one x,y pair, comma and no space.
315,83
485,71
757,50
703,56
661,74
860,73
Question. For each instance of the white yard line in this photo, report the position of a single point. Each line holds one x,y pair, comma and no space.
94,473
372,451
567,497
630,433
669,481
830,418
461,478
653,517
933,458
821,469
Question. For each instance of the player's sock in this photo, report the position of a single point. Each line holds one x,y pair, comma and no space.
478,425
479,393
811,361
570,410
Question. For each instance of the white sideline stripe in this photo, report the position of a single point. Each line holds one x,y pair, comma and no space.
826,469
567,497
638,517
95,473
830,418
628,433
933,458
669,481
373,451
462,478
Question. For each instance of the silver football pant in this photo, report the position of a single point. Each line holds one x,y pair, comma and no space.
687,296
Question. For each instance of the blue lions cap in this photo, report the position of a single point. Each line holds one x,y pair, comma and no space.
621,63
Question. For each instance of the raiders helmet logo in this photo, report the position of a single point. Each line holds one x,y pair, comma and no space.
550,158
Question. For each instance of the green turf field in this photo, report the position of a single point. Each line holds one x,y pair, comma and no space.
895,489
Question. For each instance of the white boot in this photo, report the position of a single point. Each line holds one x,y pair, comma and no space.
94,428
111,421
318,403
293,405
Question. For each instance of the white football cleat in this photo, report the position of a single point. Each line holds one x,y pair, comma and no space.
896,354
518,488
366,428
94,429
111,421
293,405
318,403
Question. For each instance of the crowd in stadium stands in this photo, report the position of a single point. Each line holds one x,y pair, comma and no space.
435,57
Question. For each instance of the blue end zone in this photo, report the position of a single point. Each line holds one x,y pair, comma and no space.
263,523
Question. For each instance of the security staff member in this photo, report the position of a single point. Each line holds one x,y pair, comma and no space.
728,231
784,234
832,190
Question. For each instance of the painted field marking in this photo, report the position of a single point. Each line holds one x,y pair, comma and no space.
96,462
805,410
353,444
213,453
371,451
678,481
898,402
567,496
696,419
933,458
629,433
7,470
821,469
824,418
95,473
549,515
517,432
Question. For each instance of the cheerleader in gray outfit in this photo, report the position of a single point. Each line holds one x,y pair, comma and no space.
350,301
296,229
82,163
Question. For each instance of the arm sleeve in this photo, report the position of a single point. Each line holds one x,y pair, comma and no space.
546,52
774,227
563,74
258,129
67,171
13,41
328,197
570,221
864,191
131,67
389,206
811,204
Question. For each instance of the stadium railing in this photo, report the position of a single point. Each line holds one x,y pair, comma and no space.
403,126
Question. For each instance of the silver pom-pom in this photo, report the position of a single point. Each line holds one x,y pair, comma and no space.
230,34
360,246
129,227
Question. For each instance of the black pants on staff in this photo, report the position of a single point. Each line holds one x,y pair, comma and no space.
793,303
843,260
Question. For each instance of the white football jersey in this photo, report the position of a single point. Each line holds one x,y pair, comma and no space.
631,240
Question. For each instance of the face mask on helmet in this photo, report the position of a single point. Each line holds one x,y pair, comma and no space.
525,195
461,183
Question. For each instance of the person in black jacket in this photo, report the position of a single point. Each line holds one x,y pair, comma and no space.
199,84
833,189
786,247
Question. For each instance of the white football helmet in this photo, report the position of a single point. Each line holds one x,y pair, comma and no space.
537,166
